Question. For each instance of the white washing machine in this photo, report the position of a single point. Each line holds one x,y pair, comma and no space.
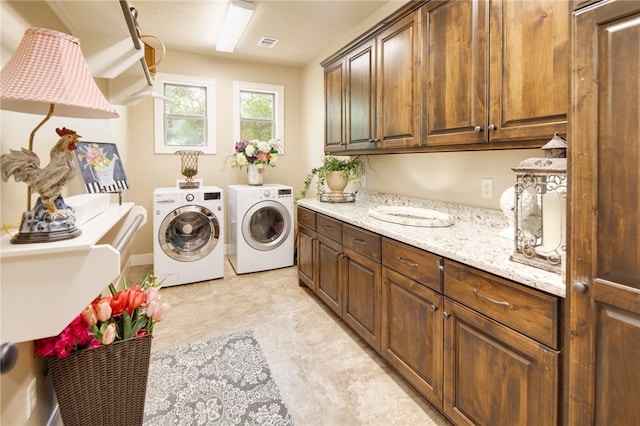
188,234
261,233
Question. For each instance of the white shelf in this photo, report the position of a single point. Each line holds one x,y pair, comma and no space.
108,39
45,285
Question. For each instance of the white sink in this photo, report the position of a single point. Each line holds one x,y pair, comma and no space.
412,216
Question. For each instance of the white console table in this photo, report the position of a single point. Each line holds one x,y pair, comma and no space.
45,285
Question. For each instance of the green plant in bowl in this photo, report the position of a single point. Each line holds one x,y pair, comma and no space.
352,167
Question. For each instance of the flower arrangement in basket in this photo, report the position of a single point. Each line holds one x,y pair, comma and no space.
258,153
124,314
99,364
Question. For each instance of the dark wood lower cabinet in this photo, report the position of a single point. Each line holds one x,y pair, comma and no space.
329,278
362,297
482,349
494,375
306,260
412,333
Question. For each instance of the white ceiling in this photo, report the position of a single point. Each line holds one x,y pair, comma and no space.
305,28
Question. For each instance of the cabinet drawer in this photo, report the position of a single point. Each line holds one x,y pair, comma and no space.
412,262
361,241
307,218
526,310
330,227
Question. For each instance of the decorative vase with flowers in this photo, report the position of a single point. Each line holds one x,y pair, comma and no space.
255,155
99,363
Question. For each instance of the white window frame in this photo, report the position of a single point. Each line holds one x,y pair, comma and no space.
210,126
276,90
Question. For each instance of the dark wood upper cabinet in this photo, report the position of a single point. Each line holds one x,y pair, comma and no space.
455,73
603,281
378,105
495,71
451,76
334,106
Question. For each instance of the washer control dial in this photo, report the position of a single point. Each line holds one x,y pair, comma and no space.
190,197
267,193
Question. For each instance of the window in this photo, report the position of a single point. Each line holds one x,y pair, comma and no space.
188,121
258,112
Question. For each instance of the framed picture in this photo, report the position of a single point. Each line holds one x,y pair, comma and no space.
101,167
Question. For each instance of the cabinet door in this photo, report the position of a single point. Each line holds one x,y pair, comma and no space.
361,97
494,375
412,333
329,282
398,103
455,62
334,107
362,297
306,260
529,69
603,275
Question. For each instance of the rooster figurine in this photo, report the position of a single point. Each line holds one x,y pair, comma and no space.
24,166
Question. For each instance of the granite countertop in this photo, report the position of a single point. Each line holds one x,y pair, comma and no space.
474,239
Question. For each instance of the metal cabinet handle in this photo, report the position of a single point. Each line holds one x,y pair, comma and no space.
327,227
477,129
488,299
580,287
359,241
492,127
446,314
434,308
401,260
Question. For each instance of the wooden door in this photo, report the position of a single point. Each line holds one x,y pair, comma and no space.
334,138
306,260
455,59
529,69
603,280
329,279
398,102
361,97
361,307
494,375
412,333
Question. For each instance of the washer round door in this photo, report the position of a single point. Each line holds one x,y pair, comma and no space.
189,233
266,225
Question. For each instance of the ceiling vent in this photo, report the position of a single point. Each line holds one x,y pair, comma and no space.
267,42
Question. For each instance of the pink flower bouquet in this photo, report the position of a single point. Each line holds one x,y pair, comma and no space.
121,315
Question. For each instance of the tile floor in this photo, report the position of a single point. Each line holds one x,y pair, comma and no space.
326,374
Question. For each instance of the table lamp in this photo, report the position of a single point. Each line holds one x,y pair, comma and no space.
48,75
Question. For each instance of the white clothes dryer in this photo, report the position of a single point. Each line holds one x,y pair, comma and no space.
188,234
261,235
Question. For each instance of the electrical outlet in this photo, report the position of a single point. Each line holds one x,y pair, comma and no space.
487,187
32,397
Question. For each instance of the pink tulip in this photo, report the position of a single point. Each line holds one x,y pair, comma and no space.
152,294
156,311
89,315
103,309
109,334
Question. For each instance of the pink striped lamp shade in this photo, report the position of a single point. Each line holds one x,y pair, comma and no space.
48,68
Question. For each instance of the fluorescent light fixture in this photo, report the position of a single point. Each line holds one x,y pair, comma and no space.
238,16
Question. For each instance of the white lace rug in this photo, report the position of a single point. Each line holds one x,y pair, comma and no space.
221,381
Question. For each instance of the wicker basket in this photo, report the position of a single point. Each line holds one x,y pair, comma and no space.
106,385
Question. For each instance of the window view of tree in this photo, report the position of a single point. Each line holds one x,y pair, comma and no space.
257,117
185,117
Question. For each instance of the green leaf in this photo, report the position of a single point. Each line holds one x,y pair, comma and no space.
126,326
